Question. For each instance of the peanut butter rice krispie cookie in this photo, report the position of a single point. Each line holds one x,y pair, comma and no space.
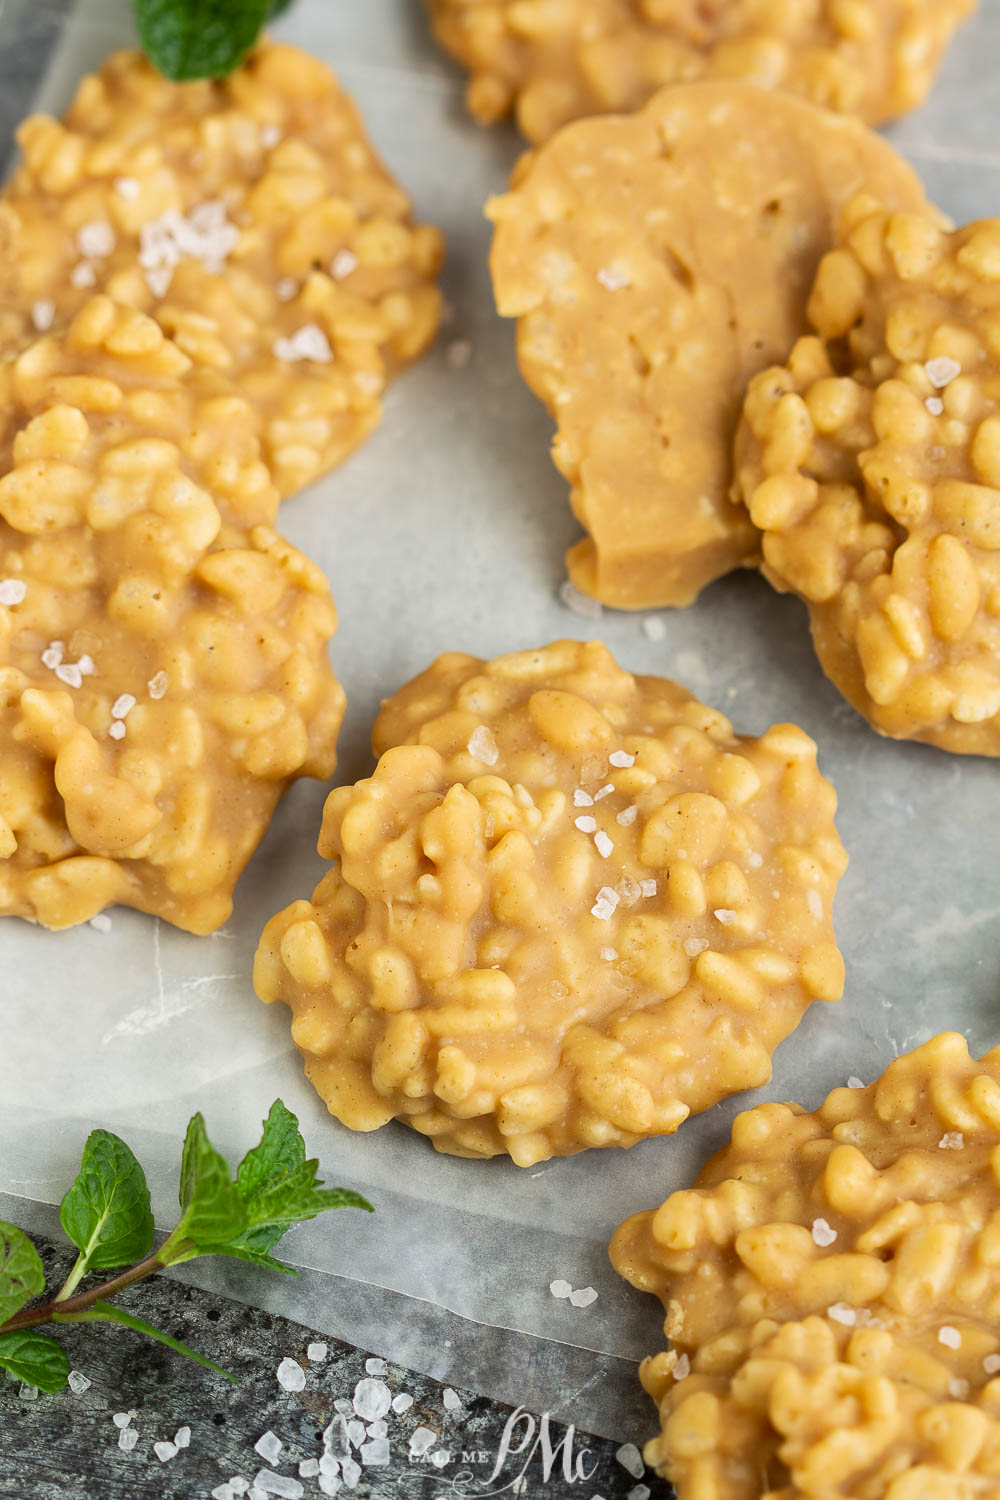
832,1286
550,61
655,263
872,463
252,219
163,669
569,908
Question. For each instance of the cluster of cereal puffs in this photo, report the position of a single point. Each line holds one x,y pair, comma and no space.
552,61
569,908
832,1282
206,287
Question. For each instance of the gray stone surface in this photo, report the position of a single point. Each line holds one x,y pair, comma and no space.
66,1446
29,30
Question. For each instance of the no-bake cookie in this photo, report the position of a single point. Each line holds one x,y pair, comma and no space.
163,669
832,1286
551,61
252,219
569,908
655,263
871,461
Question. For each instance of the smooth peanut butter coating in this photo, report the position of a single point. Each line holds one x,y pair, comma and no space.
252,219
832,1286
569,908
655,263
163,669
871,461
551,61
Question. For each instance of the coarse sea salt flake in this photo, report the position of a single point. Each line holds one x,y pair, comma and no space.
122,706
991,1364
223,1492
585,824
458,354
82,275
958,1389
377,1429
583,1296
158,279
290,1375
286,289
86,666
950,1337
309,1468
12,590
582,798
355,1432
609,955
345,1407
693,946
53,654
316,1352
560,1288
654,629
77,1382
452,1400
306,343
122,1418
725,915
814,901
604,791
269,1447
841,1313
630,1459
28,1392
182,1437
372,1399
278,1484
855,1083
822,1233
934,405
376,1453
627,816
942,371
69,673
157,686
640,1492
329,1484
239,1485
440,1458
602,843
648,887
605,904
95,240
482,746
422,1442
613,278
127,1439
580,603
116,729
165,1451
127,188
270,135
343,263
952,1140
42,314
621,758
402,1402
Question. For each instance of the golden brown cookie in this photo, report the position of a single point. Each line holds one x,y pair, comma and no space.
569,908
832,1286
163,669
551,61
252,219
872,463
655,263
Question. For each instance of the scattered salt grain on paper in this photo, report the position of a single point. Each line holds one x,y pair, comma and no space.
78,1383
452,1400
290,1375
560,1288
315,1353
482,746
458,354
580,604
583,1297
654,629
165,1451
127,1439
630,1459
822,1233
854,1083
402,1402
372,1399
372,1366
269,1447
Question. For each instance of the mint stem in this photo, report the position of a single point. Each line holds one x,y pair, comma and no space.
31,1317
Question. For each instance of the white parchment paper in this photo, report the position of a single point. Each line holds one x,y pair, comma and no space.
447,531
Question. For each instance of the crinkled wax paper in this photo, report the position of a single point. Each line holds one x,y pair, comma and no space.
447,531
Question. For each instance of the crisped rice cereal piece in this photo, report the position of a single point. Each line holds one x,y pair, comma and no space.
655,263
871,461
551,61
832,1286
163,670
252,219
569,908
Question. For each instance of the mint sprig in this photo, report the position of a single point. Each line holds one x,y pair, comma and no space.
189,39
107,1215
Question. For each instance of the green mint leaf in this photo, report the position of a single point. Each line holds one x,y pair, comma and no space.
213,1212
34,1358
278,8
21,1273
187,39
281,1150
106,1212
106,1312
